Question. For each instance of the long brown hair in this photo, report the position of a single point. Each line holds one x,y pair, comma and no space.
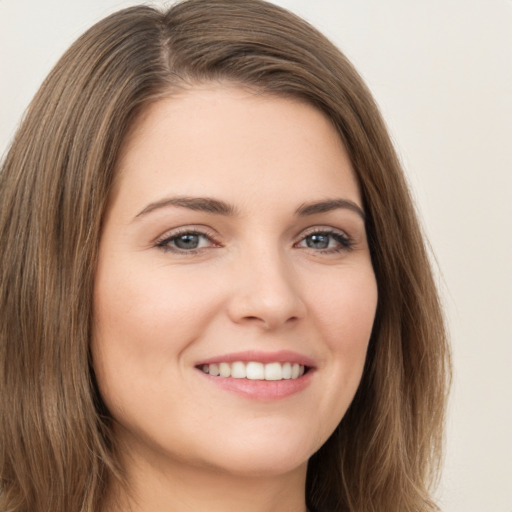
56,448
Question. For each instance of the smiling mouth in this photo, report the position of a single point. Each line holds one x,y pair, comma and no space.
254,370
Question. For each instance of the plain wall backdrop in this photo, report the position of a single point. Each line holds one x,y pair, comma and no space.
441,71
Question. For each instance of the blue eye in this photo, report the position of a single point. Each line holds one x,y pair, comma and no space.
186,241
318,241
326,241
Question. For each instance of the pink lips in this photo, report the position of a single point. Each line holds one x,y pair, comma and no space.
283,356
261,390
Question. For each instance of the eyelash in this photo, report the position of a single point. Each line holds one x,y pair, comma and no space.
345,243
164,243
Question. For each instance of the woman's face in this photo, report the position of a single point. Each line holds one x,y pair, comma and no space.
234,243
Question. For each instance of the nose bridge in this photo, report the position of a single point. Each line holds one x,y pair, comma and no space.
265,291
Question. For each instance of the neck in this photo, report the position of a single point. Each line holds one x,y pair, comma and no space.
189,489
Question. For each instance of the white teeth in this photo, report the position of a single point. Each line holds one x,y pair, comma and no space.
254,370
238,370
273,371
287,371
224,370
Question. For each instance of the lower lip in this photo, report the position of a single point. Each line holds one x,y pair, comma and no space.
266,390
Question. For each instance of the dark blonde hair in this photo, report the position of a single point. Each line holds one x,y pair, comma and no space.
56,448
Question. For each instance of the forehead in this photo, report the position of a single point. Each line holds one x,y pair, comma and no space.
213,136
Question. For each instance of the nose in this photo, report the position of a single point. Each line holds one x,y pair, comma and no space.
265,292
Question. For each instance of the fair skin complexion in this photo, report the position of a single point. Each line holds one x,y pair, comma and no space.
234,234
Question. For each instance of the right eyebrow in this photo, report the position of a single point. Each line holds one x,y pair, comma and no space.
202,204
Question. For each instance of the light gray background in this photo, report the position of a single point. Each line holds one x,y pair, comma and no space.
441,71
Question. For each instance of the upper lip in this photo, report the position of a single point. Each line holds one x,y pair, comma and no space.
281,356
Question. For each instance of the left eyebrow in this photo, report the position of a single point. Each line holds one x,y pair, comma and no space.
328,205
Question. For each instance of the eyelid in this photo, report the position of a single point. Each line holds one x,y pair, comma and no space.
182,230
347,244
161,242
322,229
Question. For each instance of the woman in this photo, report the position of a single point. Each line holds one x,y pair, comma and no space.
214,290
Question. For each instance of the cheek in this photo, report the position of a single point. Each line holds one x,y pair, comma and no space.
344,316
143,321
342,311
346,310
150,306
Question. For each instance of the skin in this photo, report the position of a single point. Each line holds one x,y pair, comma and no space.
257,281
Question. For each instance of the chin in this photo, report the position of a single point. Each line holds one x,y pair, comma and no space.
262,456
262,465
